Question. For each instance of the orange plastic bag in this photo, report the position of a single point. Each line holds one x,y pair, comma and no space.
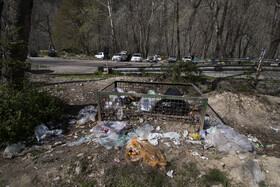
141,150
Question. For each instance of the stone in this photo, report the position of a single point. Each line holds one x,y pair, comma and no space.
78,169
57,178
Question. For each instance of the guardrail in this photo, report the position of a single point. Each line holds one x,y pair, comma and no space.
220,68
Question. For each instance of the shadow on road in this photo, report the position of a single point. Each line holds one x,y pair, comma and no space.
42,71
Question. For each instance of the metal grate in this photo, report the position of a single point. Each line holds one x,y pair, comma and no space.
126,100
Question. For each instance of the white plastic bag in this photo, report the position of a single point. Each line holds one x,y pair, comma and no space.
227,139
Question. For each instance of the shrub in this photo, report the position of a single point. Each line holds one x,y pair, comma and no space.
182,71
21,111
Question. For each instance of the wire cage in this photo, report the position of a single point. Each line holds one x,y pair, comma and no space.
126,100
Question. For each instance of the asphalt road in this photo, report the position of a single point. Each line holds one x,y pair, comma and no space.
76,66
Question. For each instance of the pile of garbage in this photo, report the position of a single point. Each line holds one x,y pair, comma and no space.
111,134
147,104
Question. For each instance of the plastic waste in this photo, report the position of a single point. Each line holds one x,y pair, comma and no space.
195,136
174,136
196,154
87,114
144,131
276,130
154,137
170,173
103,128
203,133
226,139
148,103
141,150
111,133
172,107
43,132
185,133
87,118
81,141
12,150
194,142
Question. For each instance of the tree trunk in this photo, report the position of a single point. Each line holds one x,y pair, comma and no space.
178,31
15,35
109,6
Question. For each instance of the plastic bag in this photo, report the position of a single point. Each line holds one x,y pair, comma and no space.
141,150
144,131
103,128
81,141
226,139
87,114
13,150
148,103
43,132
111,133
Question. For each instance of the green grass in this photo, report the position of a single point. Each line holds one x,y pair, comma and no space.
135,175
215,176
262,184
2,183
184,174
21,111
96,74
37,152
59,89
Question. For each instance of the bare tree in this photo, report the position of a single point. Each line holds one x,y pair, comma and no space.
275,31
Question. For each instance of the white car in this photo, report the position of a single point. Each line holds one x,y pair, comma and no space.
136,58
187,58
100,55
158,57
120,57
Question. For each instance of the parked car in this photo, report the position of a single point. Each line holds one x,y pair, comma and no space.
136,58
33,53
152,59
158,57
187,58
100,55
120,57
172,59
51,52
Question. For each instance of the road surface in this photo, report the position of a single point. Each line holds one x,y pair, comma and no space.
76,66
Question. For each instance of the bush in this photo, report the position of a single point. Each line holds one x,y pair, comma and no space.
182,72
21,111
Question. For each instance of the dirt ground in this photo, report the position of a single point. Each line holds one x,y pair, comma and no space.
55,164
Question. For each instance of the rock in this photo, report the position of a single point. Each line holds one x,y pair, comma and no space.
92,175
78,170
12,150
248,173
57,143
57,178
218,185
80,155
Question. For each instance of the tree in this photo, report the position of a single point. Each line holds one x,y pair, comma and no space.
275,31
77,23
15,29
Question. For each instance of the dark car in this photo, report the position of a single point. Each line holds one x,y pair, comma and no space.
172,59
52,52
33,53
